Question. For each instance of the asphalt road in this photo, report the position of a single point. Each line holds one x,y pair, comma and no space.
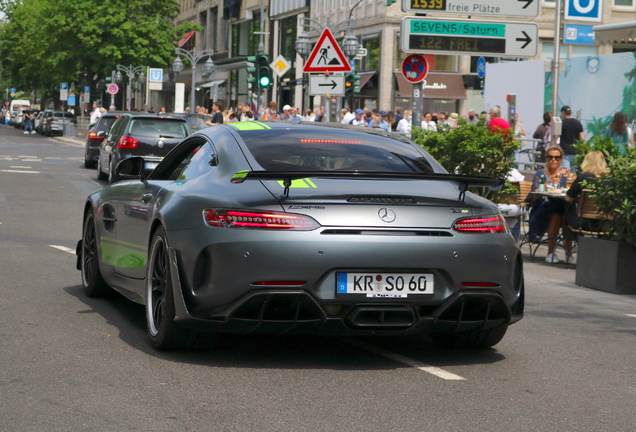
71,363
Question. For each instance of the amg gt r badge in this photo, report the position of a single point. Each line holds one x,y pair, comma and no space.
457,210
386,214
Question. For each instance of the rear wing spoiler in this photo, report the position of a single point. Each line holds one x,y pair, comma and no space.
287,177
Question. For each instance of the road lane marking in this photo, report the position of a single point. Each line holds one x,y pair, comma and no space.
16,166
433,370
631,315
21,171
64,248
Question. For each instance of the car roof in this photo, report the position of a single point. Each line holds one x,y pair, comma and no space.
152,116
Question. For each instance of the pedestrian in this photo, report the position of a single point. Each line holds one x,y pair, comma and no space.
347,115
496,123
271,112
163,110
28,119
112,108
96,114
231,118
249,115
621,134
217,116
453,120
428,123
519,130
397,112
358,119
543,133
368,117
442,119
390,119
382,123
472,118
571,133
240,109
404,125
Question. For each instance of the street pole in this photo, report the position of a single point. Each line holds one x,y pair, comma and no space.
194,56
112,96
555,65
418,103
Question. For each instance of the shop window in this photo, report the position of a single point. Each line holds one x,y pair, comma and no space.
624,3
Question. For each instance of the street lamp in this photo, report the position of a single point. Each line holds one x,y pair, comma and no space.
130,72
194,56
350,46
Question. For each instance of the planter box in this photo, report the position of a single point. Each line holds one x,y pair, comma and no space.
606,265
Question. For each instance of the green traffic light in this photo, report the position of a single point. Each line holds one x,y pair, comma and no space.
264,81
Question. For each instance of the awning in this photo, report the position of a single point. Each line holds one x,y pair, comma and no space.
437,85
364,78
615,33
186,37
212,83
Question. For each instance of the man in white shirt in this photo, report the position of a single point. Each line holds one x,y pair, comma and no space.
428,123
358,120
96,114
346,116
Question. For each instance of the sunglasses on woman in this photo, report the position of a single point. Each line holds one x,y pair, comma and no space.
554,157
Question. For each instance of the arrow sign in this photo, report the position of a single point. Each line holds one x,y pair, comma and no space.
472,37
494,8
322,85
280,66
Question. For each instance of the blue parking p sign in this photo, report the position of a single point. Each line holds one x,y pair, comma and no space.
584,10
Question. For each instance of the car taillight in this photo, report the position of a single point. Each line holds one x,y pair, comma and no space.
486,224
258,220
127,142
93,136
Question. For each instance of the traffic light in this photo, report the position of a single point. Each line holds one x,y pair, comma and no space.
259,71
352,82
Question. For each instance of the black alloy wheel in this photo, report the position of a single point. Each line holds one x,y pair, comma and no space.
92,280
164,333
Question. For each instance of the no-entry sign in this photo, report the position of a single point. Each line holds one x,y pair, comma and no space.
415,68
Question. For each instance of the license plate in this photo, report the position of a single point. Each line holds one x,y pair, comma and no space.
385,284
151,165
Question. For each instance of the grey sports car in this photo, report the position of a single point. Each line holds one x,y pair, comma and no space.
303,228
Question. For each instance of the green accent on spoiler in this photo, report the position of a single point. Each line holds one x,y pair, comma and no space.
249,125
299,183
239,177
121,256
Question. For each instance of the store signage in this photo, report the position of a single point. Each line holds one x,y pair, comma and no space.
578,34
495,8
473,37
584,10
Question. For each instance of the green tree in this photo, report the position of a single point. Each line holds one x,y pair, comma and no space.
45,42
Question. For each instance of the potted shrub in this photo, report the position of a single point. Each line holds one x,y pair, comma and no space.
470,149
609,263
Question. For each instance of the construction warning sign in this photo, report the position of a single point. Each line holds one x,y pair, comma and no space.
327,56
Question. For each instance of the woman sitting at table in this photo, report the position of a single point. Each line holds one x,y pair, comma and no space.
593,167
547,214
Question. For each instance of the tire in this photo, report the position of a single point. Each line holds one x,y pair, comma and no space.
164,333
92,280
473,339
100,173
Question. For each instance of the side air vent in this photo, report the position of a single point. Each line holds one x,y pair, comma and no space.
424,233
381,200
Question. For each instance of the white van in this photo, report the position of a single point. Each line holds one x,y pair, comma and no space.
19,104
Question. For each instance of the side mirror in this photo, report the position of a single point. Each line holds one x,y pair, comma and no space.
130,168
101,134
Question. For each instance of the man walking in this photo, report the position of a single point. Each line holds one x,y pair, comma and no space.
571,132
96,114
497,124
28,118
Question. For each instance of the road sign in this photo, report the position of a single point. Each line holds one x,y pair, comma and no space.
481,67
414,68
155,75
473,37
326,56
280,66
578,34
63,95
71,100
584,10
12,94
14,90
495,8
331,85
113,88
63,86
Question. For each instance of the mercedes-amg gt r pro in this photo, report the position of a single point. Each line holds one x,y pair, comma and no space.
303,228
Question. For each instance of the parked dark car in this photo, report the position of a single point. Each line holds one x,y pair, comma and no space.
195,121
147,135
55,121
96,135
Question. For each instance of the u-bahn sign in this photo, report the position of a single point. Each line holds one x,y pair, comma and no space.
473,37
494,8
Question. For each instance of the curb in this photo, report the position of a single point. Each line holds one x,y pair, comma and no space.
68,140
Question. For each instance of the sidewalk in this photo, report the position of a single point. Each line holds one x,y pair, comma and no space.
78,140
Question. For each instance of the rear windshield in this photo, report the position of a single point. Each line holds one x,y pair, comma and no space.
321,149
63,114
158,128
105,124
197,123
